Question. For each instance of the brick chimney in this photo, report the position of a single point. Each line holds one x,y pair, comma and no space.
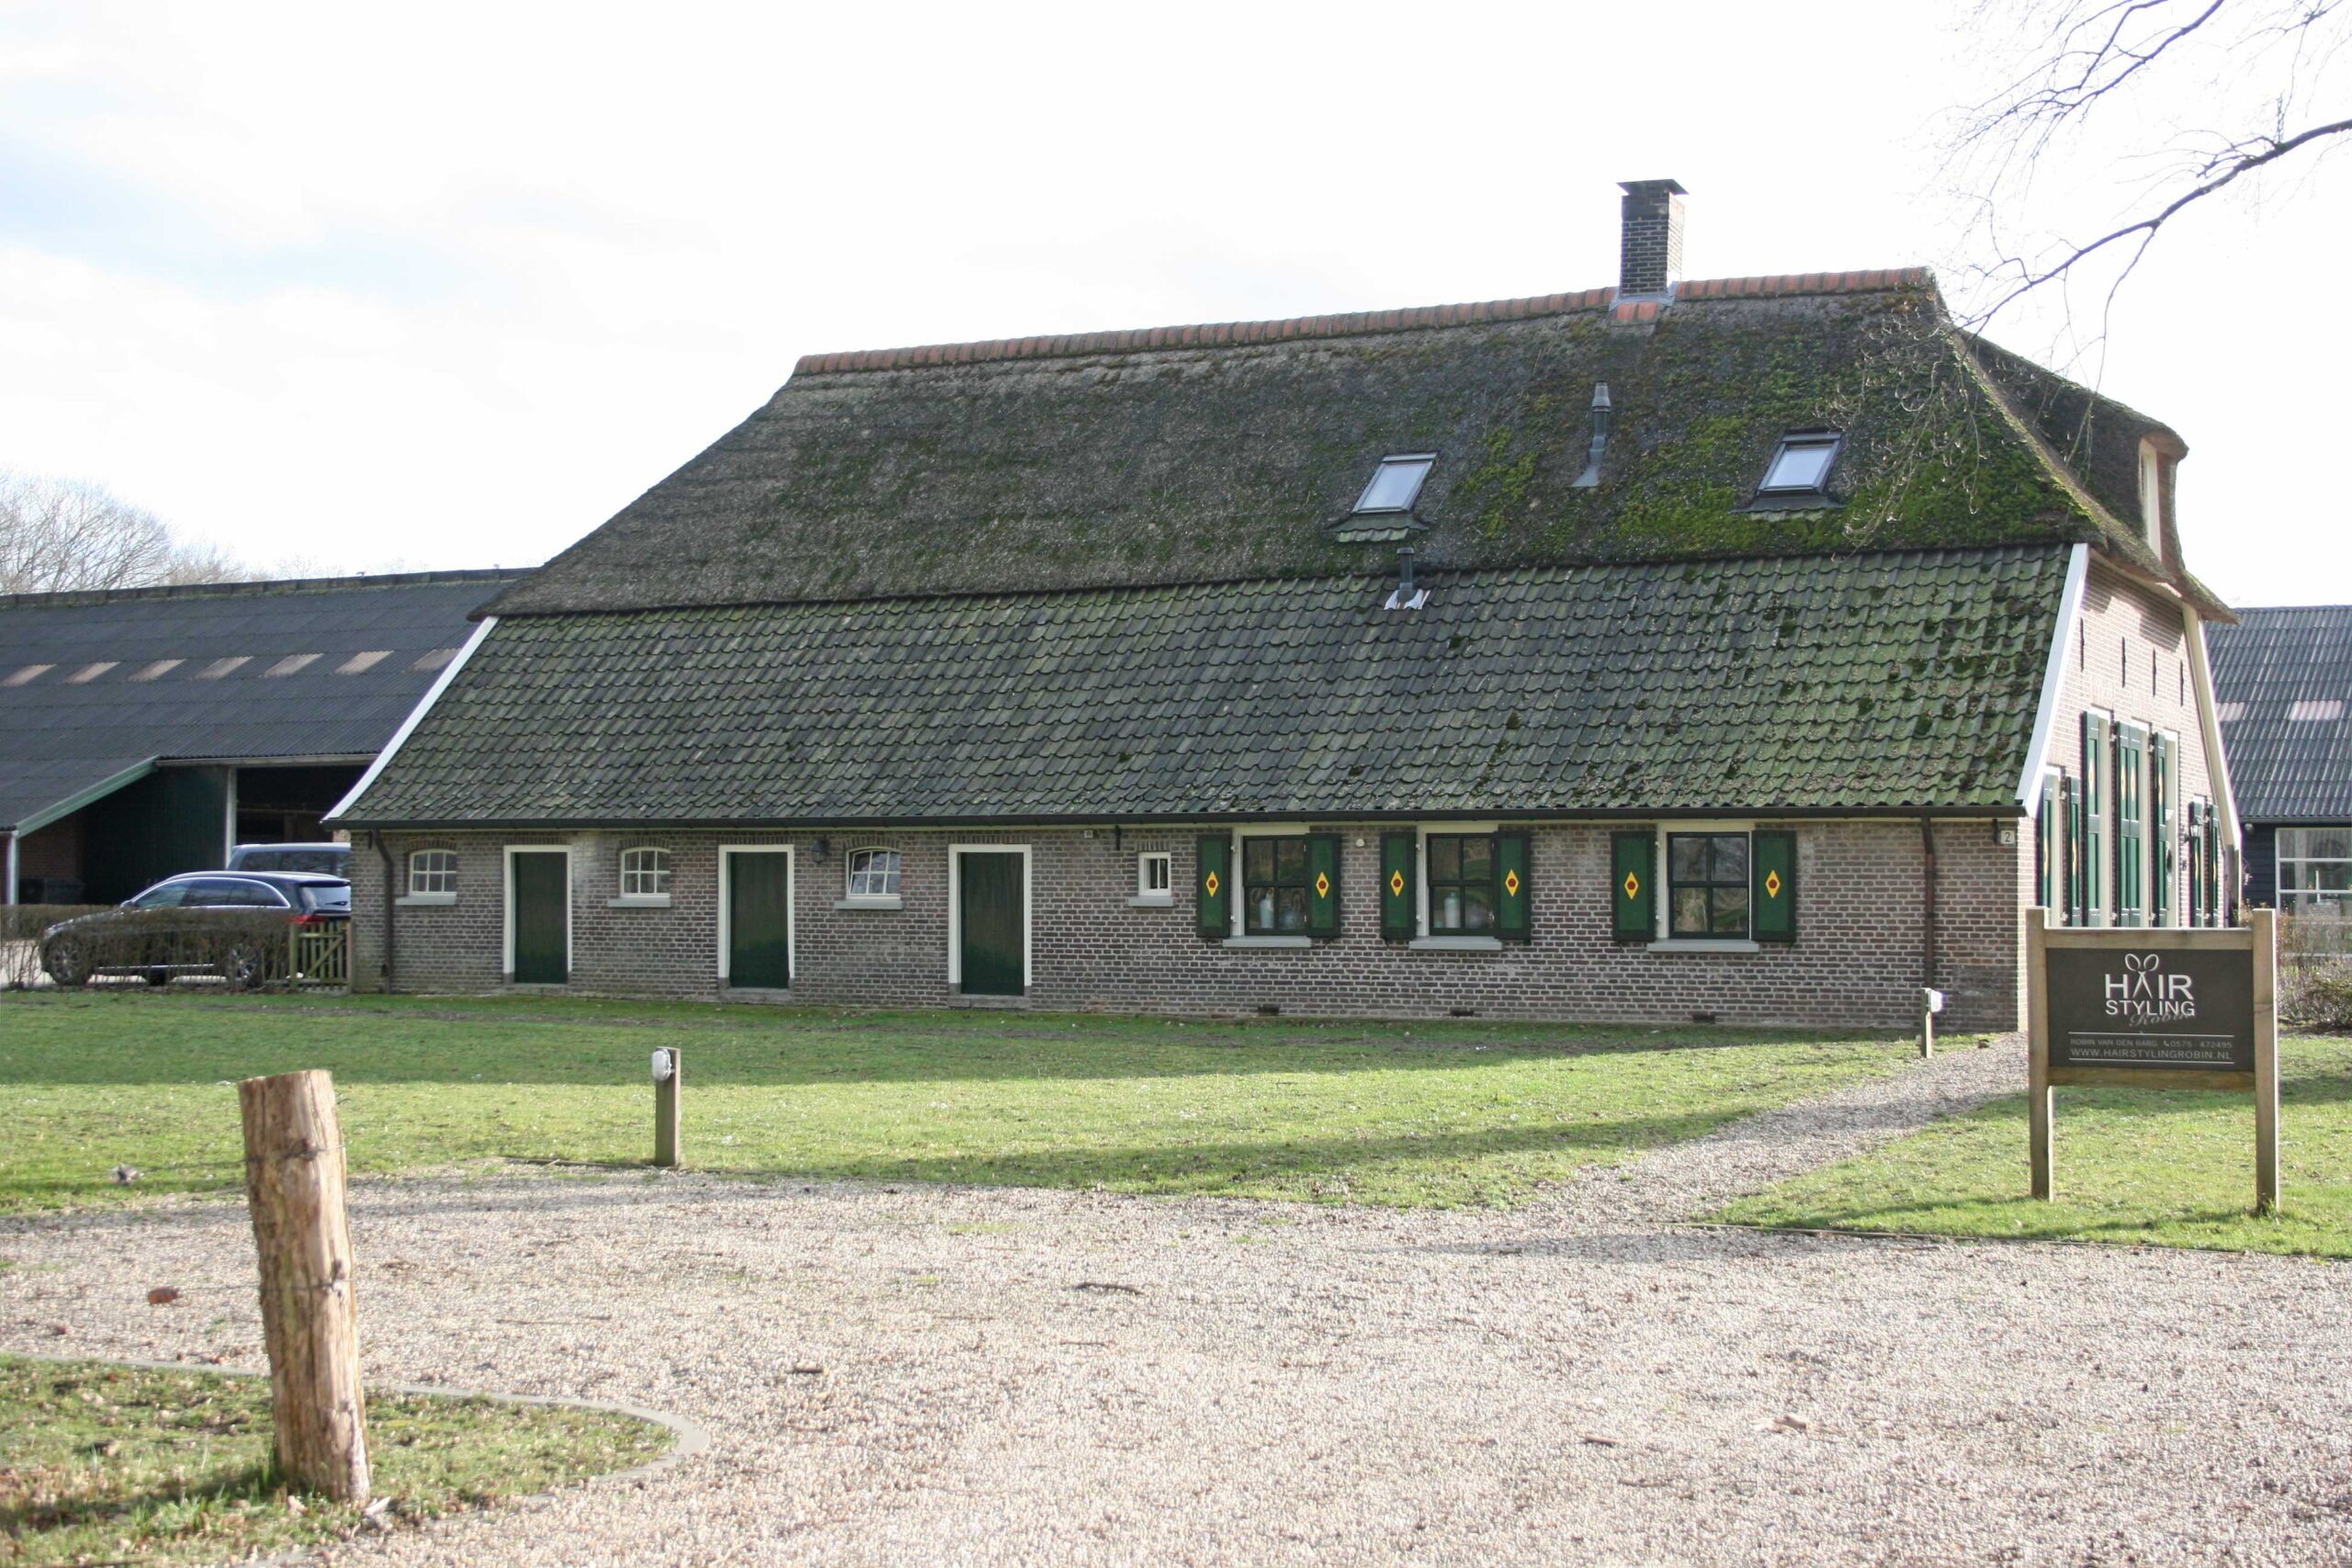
1652,256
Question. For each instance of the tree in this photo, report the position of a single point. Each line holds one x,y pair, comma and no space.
65,534
2194,96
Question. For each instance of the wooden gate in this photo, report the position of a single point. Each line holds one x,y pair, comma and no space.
320,954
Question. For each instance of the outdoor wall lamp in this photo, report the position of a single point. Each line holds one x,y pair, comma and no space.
819,850
664,1064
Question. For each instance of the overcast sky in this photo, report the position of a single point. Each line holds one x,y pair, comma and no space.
447,285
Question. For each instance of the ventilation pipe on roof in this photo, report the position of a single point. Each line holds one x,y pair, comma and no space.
1407,596
1601,407
1650,258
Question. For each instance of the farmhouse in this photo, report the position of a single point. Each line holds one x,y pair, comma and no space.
145,731
1749,650
2282,677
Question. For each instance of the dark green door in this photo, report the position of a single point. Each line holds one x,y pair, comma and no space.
994,944
759,902
542,919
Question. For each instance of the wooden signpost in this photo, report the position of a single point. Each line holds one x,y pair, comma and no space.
2155,1008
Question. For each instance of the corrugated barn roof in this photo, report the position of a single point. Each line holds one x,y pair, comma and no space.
2282,679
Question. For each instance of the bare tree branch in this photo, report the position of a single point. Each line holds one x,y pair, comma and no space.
58,535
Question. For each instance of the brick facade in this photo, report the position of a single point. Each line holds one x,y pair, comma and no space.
2129,658
1857,962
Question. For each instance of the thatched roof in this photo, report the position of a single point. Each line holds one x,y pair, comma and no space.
1222,453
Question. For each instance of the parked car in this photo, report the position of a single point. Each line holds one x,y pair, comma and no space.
200,922
327,860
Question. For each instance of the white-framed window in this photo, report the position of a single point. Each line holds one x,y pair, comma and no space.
874,874
432,874
2315,871
2152,495
1155,874
1706,885
645,873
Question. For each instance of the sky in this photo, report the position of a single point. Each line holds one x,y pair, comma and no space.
447,285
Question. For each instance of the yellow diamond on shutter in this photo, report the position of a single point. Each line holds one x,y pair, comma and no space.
1772,884
1322,885
1396,883
1510,882
1209,886
1633,885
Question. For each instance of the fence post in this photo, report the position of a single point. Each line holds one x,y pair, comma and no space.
2037,1015
2265,926
669,1072
294,1184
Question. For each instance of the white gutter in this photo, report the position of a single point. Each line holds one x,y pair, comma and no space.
415,718
2209,722
2054,681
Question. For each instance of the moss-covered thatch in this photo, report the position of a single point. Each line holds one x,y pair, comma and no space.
1106,463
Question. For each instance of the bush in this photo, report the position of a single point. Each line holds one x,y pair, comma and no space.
20,929
248,947
2316,995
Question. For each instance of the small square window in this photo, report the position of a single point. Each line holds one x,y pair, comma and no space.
1396,483
645,873
1706,876
1153,877
1801,464
1274,877
432,874
874,874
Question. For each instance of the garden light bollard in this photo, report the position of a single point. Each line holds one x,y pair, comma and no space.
294,1184
669,1068
1931,1002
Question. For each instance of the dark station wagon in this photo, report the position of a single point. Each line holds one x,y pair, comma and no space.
201,922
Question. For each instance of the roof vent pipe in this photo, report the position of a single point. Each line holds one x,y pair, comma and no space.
1650,258
1601,407
1407,596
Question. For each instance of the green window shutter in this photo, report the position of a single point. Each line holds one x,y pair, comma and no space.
1510,886
2045,844
1214,886
1398,915
2131,822
1322,883
1772,868
2070,790
2160,834
2193,869
1633,866
2095,771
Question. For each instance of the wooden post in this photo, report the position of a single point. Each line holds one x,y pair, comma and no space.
294,1184
2036,1014
669,1071
2264,924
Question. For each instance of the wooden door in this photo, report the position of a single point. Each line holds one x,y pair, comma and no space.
542,919
995,945
759,900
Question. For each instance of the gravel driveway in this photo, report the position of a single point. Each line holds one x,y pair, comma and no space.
950,1375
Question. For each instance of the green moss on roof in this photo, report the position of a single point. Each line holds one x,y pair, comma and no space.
1873,681
1128,466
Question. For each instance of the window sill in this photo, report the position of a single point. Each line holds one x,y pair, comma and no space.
1270,942
1455,945
638,901
424,901
1152,901
1705,944
892,902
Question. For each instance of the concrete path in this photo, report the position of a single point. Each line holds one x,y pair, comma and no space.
966,1376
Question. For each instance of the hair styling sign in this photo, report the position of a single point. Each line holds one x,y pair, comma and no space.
2190,1010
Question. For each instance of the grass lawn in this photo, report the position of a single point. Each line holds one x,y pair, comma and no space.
116,1464
1406,1115
2135,1166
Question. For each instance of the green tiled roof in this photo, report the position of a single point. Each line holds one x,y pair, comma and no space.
1868,682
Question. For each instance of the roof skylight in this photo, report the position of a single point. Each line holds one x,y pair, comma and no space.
1396,483
1801,467
28,674
89,673
2316,710
359,662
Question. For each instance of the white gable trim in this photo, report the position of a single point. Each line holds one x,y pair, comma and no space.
417,717
2054,681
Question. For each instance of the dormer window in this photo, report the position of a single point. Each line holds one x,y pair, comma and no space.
2152,495
1395,484
1801,467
